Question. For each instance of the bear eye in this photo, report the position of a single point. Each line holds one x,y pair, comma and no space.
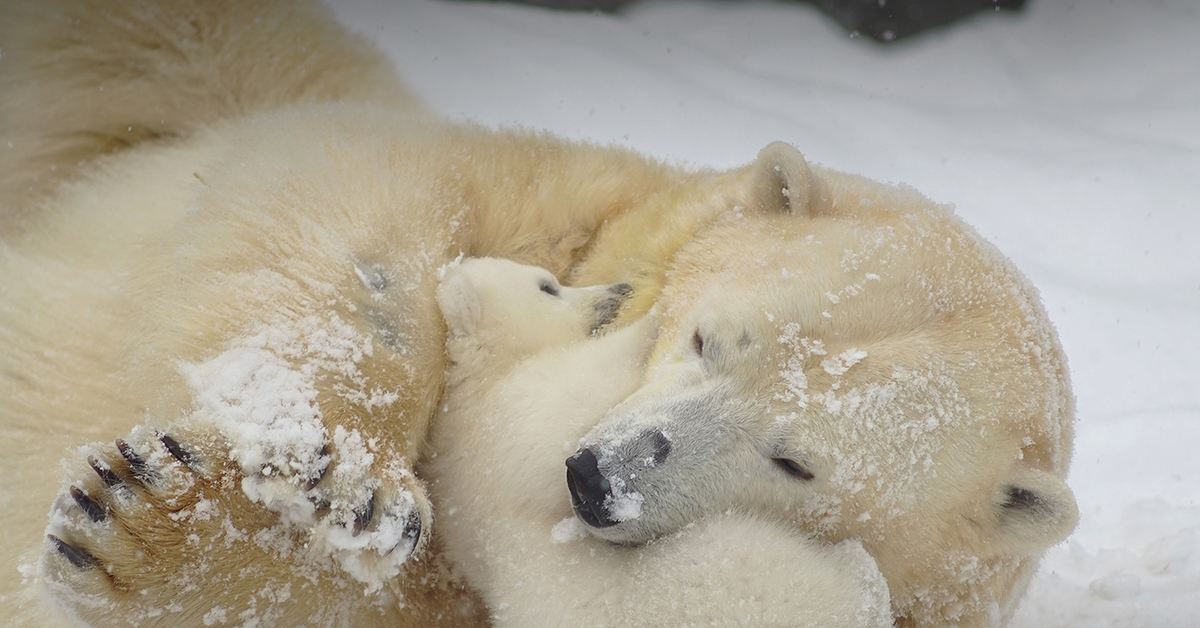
793,468
698,343
548,288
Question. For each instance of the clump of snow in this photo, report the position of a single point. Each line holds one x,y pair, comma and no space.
1116,586
799,348
839,364
624,505
216,615
373,556
260,393
568,530
621,503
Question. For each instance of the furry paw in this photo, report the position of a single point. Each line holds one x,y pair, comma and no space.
139,531
160,520
101,517
315,440
369,517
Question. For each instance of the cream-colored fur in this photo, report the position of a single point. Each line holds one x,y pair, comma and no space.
867,369
515,405
84,78
235,244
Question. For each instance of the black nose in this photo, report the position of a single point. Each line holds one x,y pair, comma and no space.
591,492
609,307
622,290
589,489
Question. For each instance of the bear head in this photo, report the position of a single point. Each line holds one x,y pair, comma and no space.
512,310
861,365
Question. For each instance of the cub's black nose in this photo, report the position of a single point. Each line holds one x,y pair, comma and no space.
589,489
609,307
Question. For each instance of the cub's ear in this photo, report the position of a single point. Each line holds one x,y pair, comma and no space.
1033,510
780,181
459,300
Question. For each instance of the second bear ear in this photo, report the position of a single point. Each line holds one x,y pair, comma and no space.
460,304
1034,510
780,181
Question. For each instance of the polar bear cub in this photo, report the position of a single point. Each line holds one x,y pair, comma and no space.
528,376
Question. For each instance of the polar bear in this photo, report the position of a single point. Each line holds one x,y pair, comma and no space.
526,378
876,384
221,227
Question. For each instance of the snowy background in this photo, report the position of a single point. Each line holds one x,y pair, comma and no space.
1068,134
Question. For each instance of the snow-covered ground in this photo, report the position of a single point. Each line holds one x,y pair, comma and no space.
1069,135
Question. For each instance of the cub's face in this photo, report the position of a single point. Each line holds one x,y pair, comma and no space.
879,378
514,309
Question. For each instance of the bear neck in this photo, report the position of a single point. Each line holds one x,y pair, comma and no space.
476,359
545,201
640,245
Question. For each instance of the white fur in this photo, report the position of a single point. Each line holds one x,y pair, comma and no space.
186,177
873,384
514,411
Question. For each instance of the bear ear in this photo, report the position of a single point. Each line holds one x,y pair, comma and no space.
1034,510
780,181
460,303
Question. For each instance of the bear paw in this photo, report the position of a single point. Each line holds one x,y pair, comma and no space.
161,514
367,516
102,517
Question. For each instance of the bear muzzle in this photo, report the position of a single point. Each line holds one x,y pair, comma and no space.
597,500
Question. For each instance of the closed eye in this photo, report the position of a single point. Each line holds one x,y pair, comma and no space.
549,288
698,343
793,468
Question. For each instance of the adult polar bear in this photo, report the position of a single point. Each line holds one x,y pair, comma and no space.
227,218
525,382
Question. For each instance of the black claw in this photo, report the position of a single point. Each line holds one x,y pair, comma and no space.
78,557
105,472
362,518
411,536
316,479
141,470
182,455
95,511
412,529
